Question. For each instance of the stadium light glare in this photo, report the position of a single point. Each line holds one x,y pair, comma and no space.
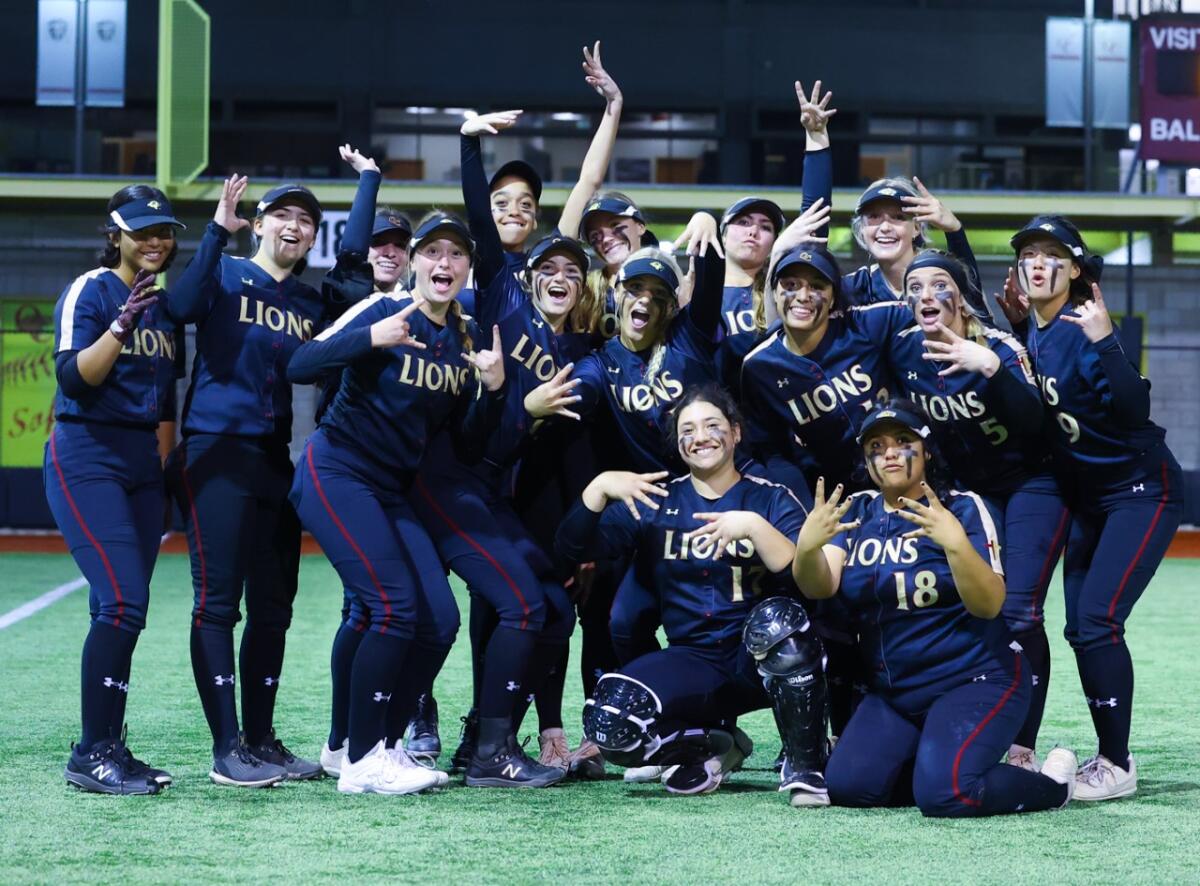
1135,132
1152,166
567,116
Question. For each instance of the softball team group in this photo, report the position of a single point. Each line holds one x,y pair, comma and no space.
841,496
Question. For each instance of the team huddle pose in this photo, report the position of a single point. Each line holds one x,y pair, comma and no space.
839,496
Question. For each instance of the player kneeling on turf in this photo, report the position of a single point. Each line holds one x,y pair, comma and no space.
710,541
920,570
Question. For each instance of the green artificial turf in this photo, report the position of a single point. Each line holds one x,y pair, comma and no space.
580,833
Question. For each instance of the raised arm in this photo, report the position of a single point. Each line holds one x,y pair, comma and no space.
489,251
368,325
599,153
351,279
1128,392
592,530
191,296
818,159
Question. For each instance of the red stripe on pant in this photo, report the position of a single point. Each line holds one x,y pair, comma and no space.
1043,585
387,605
187,490
508,580
1112,606
1008,693
112,576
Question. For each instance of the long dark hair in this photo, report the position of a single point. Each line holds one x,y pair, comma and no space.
110,255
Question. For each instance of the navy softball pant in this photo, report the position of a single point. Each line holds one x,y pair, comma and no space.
939,747
1036,522
375,542
700,688
105,489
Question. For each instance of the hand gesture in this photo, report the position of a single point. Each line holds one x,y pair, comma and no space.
929,209
824,520
394,332
553,397
631,488
700,233
580,585
687,285
962,354
492,123
231,192
805,227
1092,317
725,527
1013,302
933,521
357,161
598,78
142,295
489,364
815,113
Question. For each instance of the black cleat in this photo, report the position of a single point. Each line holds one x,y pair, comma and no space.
297,768
106,770
133,764
807,786
422,740
468,739
239,768
778,764
511,767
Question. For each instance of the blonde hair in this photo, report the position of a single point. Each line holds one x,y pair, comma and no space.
659,352
900,183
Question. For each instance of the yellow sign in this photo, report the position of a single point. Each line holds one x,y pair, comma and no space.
27,382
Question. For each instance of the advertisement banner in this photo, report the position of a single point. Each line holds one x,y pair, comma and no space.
1170,88
1110,73
106,53
27,382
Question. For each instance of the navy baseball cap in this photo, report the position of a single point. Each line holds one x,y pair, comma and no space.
805,254
557,243
648,266
887,189
293,192
441,224
386,222
1052,227
897,415
522,170
138,214
613,205
769,208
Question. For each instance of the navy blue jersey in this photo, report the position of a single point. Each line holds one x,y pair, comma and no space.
737,310
1077,378
913,628
806,411
987,429
392,401
138,390
703,601
351,279
615,377
248,326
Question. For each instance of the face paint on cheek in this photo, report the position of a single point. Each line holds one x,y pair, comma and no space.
1055,266
909,455
1024,266
685,443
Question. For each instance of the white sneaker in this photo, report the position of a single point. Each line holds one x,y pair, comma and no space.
1060,765
332,761
378,772
405,760
1101,779
644,774
1023,758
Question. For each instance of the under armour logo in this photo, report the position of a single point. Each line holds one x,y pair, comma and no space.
538,323
383,696
615,370
912,376
1140,487
116,684
222,680
270,681
512,686
247,281
981,678
1102,702
671,512
781,382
